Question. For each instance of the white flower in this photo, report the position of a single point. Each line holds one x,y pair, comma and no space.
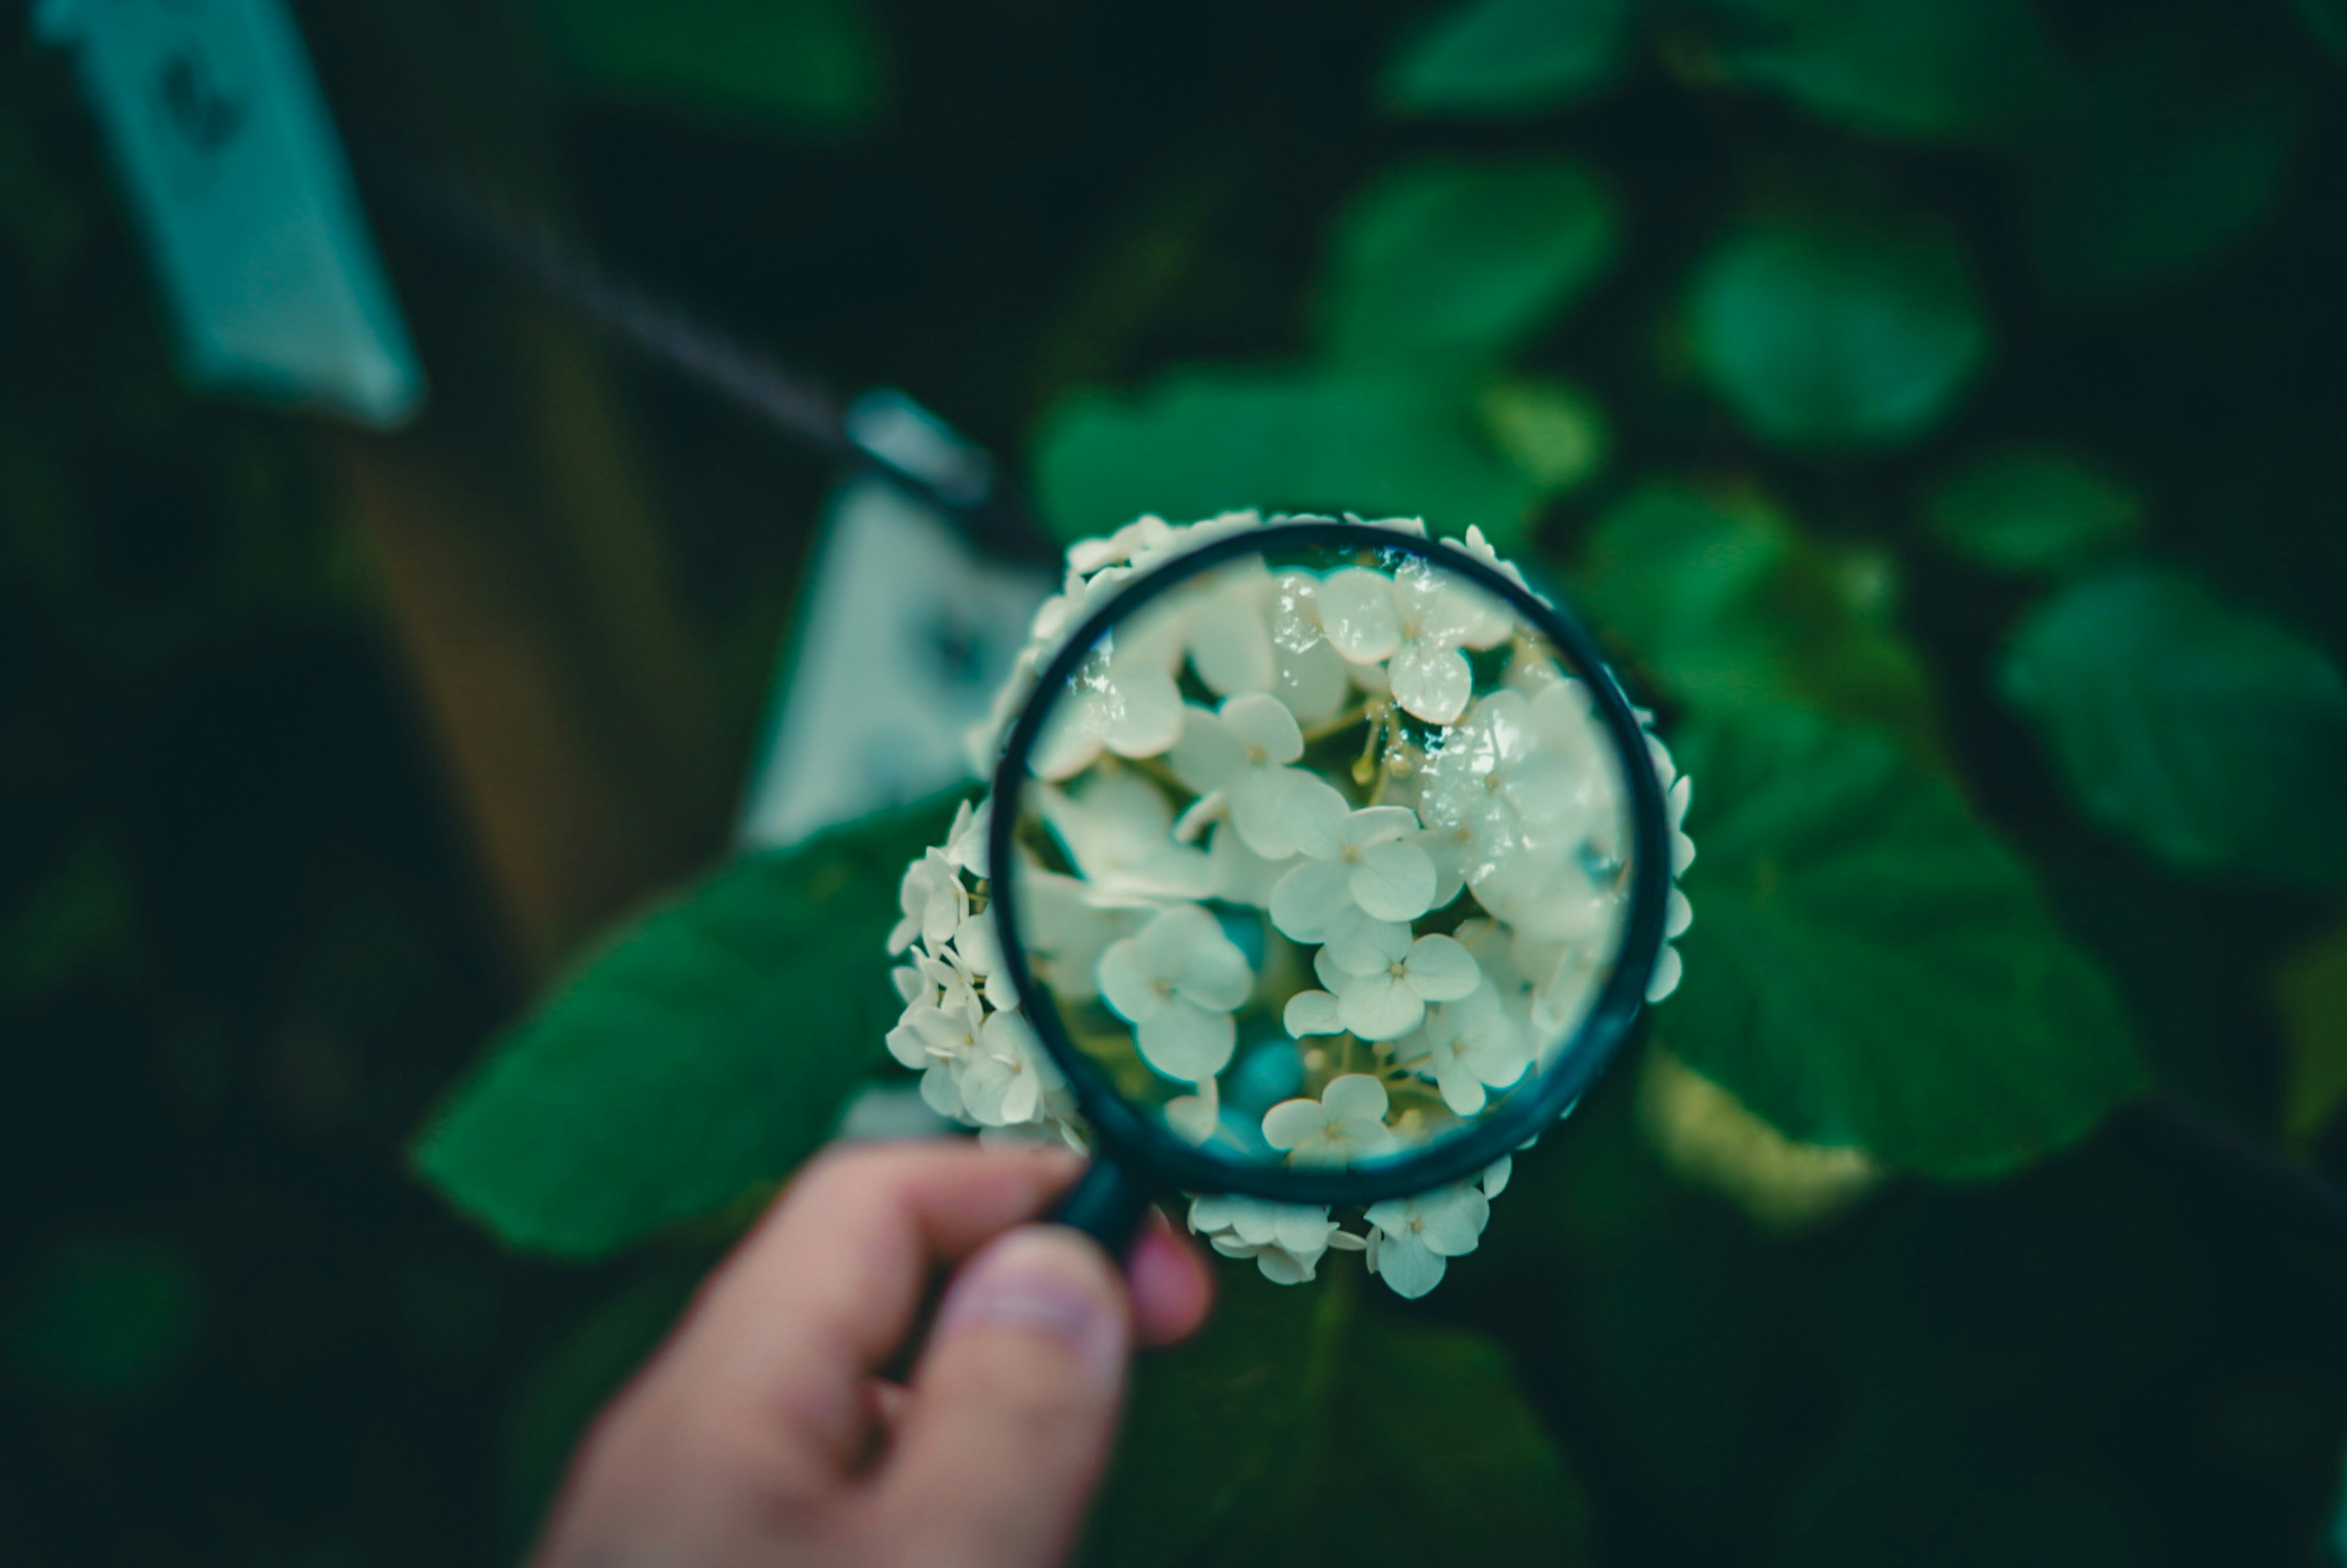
965,845
1118,830
1308,675
933,900
1415,1237
1138,537
939,1041
1177,980
1242,752
1004,1079
1286,1240
1122,697
1472,1045
1065,933
1347,1123
943,981
1225,631
1550,894
1362,859
1476,545
1494,1179
1389,978
1416,621
1520,771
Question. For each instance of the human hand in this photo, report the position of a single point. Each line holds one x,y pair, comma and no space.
764,1432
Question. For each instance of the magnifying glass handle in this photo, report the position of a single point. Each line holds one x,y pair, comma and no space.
1107,1204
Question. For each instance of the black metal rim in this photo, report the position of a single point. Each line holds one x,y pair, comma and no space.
1152,1153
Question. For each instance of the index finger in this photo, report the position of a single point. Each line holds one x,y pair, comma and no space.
826,1288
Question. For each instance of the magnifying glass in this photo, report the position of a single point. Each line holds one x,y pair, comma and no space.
1330,866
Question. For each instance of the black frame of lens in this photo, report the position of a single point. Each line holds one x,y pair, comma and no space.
1146,1149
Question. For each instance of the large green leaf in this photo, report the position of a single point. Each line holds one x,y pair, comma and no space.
1301,1429
2031,508
2212,735
1838,337
1452,259
1205,441
709,1047
796,64
2150,175
1922,70
1726,604
1869,967
1501,58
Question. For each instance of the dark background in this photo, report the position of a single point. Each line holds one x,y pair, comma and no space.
266,885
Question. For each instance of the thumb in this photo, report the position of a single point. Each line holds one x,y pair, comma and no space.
1014,1407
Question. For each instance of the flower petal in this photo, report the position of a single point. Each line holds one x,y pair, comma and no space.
1365,944
1261,722
1303,900
1213,973
1230,645
1432,682
1439,969
1393,881
1140,715
1355,1100
1257,807
1452,1220
1314,816
1307,1013
1207,756
1358,614
1380,1006
1186,1041
1291,1123
1410,1269
1126,982
1310,681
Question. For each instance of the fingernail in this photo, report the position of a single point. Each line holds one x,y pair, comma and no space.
1036,1281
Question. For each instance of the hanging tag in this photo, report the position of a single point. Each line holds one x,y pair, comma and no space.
224,150
904,634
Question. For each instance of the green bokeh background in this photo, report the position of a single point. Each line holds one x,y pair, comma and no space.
1938,402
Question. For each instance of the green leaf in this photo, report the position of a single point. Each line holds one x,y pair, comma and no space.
1922,71
793,65
2151,176
1869,967
2212,735
2031,508
709,1047
1457,259
2310,990
1205,441
1726,604
1301,1429
1833,338
1501,58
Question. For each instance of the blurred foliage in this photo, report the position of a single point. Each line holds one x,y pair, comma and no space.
1934,402
660,1081
2030,509
796,66
2213,735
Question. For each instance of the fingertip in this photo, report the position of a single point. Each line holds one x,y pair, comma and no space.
1171,1287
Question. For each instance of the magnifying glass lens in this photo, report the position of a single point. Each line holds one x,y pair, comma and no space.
1323,857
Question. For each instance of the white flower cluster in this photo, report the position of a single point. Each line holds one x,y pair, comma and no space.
1176,794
